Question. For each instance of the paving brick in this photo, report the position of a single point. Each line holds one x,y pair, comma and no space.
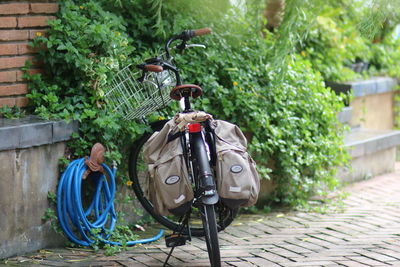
377,256
349,263
388,252
144,259
240,264
273,257
308,263
129,263
261,262
365,260
285,253
302,242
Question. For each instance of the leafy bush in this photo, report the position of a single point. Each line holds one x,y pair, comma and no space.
338,39
334,43
85,44
289,117
386,57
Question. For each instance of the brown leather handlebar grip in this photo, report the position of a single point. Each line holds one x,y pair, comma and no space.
153,68
202,31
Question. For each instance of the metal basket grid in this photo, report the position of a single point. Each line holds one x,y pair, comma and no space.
132,98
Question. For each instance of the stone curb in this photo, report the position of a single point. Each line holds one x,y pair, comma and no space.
33,131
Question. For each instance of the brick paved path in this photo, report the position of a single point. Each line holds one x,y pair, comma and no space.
367,233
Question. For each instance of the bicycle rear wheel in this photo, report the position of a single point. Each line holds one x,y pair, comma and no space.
211,235
138,175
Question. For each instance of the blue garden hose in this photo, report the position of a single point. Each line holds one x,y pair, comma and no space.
72,216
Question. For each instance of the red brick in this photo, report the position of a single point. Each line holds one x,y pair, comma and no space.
7,102
19,74
14,62
47,8
14,8
21,101
8,22
14,89
8,49
25,49
35,21
8,76
14,35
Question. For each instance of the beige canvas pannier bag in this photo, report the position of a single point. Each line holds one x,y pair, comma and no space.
169,188
238,183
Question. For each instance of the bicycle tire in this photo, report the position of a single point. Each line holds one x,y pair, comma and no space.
211,235
226,215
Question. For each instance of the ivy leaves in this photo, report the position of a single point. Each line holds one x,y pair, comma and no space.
291,122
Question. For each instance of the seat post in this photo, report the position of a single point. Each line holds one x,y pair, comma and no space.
187,103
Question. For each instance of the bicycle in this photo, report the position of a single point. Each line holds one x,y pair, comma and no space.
158,75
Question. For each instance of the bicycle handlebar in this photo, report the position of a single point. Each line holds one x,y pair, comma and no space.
185,36
202,31
159,65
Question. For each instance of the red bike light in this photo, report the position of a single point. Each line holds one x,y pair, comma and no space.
194,127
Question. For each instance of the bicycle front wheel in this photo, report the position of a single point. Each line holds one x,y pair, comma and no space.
211,234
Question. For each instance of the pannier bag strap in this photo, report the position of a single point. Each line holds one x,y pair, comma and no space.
183,119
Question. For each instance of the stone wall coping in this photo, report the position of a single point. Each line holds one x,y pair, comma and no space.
361,142
374,85
33,131
344,116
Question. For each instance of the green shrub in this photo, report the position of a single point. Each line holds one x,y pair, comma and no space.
85,45
290,121
334,43
386,57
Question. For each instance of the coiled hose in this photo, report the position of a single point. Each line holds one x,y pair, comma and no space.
72,216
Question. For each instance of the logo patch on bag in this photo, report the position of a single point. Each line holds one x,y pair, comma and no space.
236,168
235,189
172,180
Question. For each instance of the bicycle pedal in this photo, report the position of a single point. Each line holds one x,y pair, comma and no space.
175,240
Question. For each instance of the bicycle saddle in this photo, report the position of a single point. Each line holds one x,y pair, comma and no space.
191,90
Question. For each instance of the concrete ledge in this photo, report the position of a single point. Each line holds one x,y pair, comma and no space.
33,131
372,152
362,142
371,86
344,116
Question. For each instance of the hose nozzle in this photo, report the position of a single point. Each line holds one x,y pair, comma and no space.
95,160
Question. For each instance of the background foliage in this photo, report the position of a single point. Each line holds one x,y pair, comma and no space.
269,83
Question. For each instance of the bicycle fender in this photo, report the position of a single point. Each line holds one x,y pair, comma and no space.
210,200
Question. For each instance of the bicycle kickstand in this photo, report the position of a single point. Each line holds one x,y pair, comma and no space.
177,239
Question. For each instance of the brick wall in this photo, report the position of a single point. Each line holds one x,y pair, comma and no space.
20,22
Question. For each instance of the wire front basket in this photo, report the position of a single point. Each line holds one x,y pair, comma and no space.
133,97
